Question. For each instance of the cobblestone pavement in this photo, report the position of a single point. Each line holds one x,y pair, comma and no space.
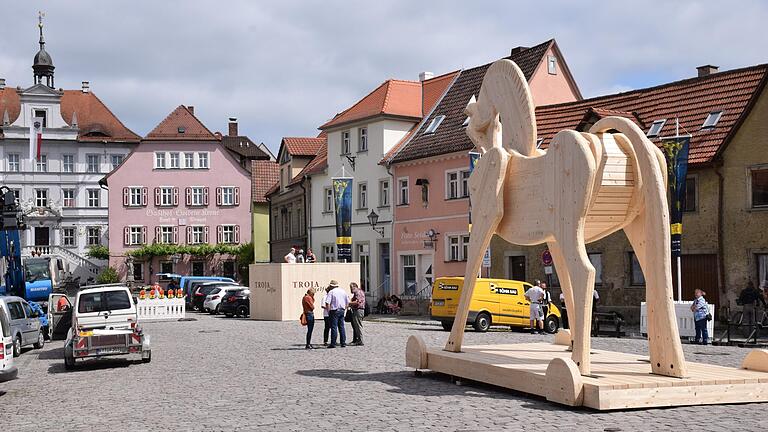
231,374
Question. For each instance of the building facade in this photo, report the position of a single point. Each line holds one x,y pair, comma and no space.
264,174
82,140
431,168
180,186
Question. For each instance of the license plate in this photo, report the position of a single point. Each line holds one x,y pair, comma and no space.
109,351
439,302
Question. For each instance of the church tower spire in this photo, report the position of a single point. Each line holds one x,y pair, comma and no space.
43,64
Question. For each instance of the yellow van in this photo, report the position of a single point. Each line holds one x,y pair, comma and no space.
494,302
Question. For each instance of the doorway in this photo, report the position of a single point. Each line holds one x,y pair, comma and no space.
198,268
42,236
699,271
516,268
384,269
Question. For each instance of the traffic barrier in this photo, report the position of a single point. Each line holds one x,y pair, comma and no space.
153,309
685,323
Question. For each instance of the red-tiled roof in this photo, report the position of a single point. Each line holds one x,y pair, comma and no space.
392,97
689,100
303,146
264,174
95,121
316,165
181,124
451,136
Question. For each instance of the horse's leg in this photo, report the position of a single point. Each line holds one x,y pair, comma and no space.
486,187
564,276
649,236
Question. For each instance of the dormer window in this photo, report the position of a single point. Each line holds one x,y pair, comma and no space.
434,124
43,115
712,119
656,127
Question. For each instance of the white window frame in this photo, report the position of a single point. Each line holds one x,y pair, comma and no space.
89,238
362,140
203,160
551,65
65,236
91,198
384,193
456,246
42,164
14,162
174,160
329,252
227,195
41,197
119,158
656,128
159,161
68,166
328,200
166,234
189,160
166,196
89,167
72,200
197,192
712,119
134,196
228,231
198,234
362,195
135,235
403,192
346,147
434,124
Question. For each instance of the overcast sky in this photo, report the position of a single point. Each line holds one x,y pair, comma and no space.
285,67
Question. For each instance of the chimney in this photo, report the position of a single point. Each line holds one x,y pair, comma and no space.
425,76
517,50
233,126
707,70
86,87
191,109
2,83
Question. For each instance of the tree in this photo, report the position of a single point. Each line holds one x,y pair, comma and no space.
244,259
108,275
98,252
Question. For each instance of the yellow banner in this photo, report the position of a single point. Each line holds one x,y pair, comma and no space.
676,228
344,240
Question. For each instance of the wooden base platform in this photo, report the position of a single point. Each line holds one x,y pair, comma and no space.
619,380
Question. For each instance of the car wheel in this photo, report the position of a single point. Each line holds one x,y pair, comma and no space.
447,325
216,310
146,357
17,346
69,359
242,311
482,322
40,341
551,324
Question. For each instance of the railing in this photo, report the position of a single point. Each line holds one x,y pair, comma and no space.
71,257
160,309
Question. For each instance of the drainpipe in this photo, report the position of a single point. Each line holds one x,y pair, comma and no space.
720,224
269,223
307,215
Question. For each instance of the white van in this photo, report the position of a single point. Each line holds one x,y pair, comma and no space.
7,370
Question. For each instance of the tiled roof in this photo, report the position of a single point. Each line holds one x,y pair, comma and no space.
433,89
181,124
243,146
690,101
264,174
316,165
94,120
392,97
303,146
451,135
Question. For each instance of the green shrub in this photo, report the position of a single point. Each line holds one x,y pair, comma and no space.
108,275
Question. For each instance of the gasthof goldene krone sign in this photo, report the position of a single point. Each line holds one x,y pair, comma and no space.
277,289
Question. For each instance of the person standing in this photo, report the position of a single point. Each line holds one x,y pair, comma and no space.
308,303
326,316
311,258
357,304
290,258
749,298
337,305
563,310
534,295
300,257
546,300
700,311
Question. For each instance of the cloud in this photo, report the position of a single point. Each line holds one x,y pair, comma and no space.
284,67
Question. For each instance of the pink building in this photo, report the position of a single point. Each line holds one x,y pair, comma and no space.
179,186
430,169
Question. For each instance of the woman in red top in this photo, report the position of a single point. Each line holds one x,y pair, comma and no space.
308,303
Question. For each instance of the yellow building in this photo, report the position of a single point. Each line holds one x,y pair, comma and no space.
264,174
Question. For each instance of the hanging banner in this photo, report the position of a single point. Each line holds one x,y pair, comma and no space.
342,196
676,152
473,158
35,138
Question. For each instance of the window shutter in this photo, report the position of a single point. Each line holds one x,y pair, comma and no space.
219,230
157,196
205,196
237,196
144,196
205,234
126,235
175,235
143,235
237,234
188,193
157,234
218,196
175,196
126,196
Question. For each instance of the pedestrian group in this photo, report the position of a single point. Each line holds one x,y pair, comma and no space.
338,307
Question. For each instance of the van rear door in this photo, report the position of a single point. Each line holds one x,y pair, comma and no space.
106,309
59,317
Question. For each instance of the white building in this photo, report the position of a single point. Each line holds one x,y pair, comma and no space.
82,141
357,140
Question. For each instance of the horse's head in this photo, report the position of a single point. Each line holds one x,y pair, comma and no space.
484,127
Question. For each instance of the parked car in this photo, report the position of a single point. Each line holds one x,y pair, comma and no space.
198,298
236,303
25,324
7,370
189,283
104,323
214,298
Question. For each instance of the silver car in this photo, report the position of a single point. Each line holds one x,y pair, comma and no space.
25,324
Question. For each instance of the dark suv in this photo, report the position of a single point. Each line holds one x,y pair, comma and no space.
203,290
236,303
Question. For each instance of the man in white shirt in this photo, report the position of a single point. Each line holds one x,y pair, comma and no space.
337,303
291,257
535,295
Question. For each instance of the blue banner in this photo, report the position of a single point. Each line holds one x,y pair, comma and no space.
342,196
676,152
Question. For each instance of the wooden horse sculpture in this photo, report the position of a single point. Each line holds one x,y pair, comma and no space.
583,188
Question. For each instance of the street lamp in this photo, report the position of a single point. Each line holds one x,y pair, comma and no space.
373,219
